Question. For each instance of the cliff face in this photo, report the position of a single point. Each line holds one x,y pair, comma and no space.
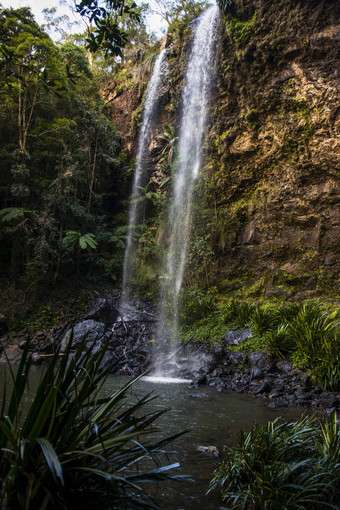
275,145
266,216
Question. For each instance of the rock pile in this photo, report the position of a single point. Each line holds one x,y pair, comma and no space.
261,376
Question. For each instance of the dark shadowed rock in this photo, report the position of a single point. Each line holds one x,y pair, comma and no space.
236,358
284,366
237,337
306,380
93,329
102,311
259,363
265,387
277,404
328,399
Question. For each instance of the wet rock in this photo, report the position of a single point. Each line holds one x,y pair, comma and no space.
218,349
301,394
303,402
198,395
199,378
102,311
236,358
330,411
328,399
277,404
36,358
12,355
237,337
265,387
306,380
260,363
284,366
211,451
93,329
278,392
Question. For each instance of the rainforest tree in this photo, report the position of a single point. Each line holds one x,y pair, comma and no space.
61,160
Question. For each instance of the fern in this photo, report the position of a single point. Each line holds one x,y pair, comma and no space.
12,213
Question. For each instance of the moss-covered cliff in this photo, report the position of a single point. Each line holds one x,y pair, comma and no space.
274,151
265,221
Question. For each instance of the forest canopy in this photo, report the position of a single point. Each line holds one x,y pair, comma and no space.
61,160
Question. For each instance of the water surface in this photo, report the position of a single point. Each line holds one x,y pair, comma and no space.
214,419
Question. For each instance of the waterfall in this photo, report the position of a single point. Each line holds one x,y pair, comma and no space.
194,115
140,175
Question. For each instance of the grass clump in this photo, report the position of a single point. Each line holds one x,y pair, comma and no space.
72,448
282,466
196,304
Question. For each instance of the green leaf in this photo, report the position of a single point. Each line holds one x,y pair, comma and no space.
51,458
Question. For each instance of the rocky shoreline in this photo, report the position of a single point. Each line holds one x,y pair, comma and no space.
129,343
258,375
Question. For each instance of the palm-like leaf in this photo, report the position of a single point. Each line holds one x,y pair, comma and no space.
282,465
74,448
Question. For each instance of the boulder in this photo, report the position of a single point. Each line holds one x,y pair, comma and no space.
277,404
102,311
12,355
265,387
93,329
237,358
259,363
211,451
237,337
328,399
284,366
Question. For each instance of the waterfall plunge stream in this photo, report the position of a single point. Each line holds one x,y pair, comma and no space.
194,115
140,176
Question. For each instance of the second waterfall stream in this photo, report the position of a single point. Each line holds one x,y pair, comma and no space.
141,174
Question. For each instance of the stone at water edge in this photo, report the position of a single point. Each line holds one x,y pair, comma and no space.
237,358
12,355
211,451
94,330
260,363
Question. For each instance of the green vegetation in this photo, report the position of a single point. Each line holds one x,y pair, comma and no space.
307,332
64,178
283,466
241,32
72,448
108,33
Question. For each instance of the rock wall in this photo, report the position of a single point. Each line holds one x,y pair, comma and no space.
266,215
275,148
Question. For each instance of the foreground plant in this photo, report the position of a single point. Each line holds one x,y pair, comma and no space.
283,466
71,448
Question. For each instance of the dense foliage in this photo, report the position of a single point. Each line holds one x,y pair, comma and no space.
70,447
107,35
62,167
283,466
307,332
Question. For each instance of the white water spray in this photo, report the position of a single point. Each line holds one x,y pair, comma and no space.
195,105
140,176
